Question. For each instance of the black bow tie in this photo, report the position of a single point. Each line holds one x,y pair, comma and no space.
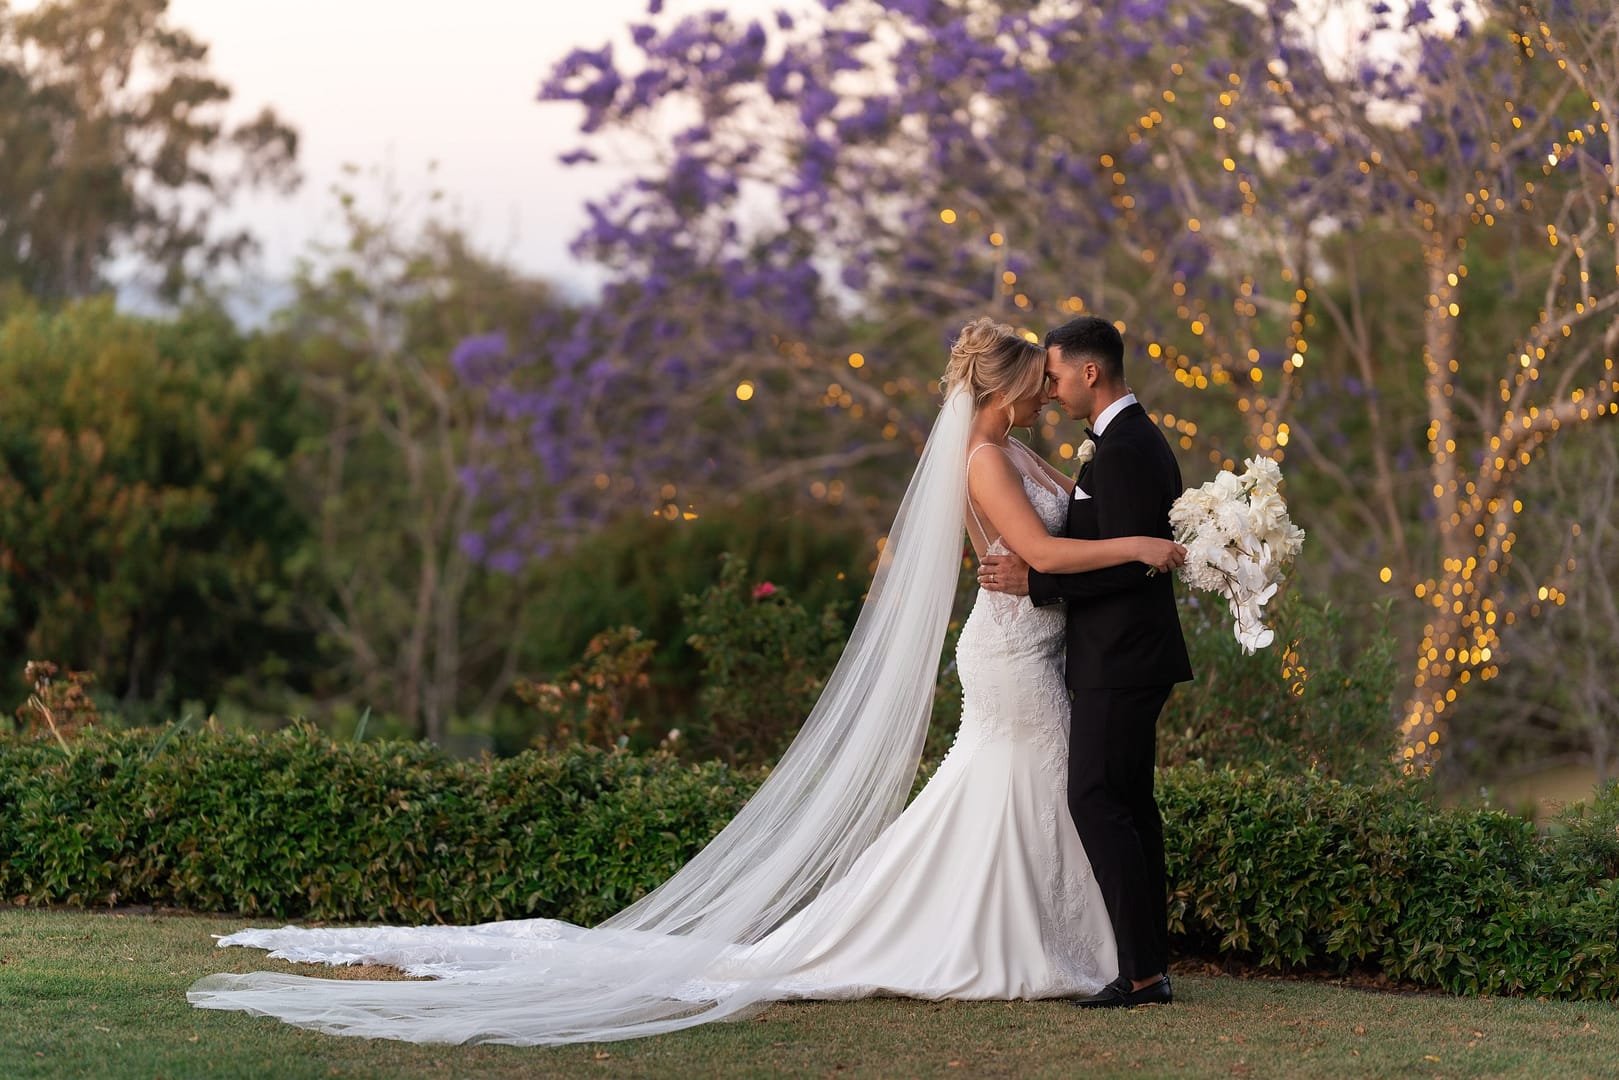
1091,435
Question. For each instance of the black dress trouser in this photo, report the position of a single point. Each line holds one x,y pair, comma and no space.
1113,739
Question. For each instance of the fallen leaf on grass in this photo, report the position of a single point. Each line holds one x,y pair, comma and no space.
602,1055
1431,1057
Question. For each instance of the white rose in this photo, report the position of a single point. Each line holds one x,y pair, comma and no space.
1224,487
1292,540
1231,519
1267,512
1193,503
1086,451
1265,473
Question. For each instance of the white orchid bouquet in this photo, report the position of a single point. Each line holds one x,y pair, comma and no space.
1239,541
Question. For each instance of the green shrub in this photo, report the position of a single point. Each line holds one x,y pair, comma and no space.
1303,871
1313,702
597,700
761,660
294,825
145,529
764,661
1287,871
1585,838
639,571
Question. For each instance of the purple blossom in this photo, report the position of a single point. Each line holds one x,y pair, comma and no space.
476,358
814,103
940,109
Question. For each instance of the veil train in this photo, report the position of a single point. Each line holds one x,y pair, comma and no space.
687,953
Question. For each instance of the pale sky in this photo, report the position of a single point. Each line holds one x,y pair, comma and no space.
403,82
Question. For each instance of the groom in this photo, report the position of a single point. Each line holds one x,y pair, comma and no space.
1125,649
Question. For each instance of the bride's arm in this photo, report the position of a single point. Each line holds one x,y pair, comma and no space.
997,487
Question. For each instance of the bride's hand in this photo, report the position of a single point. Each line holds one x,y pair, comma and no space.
1161,555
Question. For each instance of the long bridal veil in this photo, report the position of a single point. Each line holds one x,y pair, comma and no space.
714,940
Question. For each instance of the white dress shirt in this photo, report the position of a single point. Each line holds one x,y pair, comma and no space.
1111,411
1102,422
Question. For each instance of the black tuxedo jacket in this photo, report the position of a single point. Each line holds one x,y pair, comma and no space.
1123,629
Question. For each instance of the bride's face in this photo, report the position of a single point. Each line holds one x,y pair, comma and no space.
1026,409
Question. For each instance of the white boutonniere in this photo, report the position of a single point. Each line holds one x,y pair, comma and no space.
1086,451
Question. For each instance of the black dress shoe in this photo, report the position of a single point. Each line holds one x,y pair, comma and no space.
1121,994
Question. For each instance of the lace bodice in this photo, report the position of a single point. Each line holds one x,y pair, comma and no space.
1050,502
1051,505
1010,653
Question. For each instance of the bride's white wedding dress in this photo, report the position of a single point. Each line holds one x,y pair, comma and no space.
980,889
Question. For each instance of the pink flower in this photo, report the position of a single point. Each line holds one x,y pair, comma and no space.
763,589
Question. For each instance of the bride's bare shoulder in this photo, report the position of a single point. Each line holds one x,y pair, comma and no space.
972,451
995,467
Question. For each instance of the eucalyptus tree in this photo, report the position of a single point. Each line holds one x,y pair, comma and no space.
115,143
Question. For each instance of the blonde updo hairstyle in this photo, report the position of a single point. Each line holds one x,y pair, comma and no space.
992,359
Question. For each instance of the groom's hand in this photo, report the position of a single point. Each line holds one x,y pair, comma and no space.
1004,573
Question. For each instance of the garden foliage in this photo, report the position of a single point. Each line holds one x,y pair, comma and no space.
1321,699
146,533
1289,872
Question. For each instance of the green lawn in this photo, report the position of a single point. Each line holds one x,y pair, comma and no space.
104,995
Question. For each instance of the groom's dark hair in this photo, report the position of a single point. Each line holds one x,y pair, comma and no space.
1088,337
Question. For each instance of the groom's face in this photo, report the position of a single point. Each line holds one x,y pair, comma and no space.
1067,384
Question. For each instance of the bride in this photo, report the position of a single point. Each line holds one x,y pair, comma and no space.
821,887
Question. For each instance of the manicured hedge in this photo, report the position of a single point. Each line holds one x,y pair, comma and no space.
293,825
1285,871
1305,872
